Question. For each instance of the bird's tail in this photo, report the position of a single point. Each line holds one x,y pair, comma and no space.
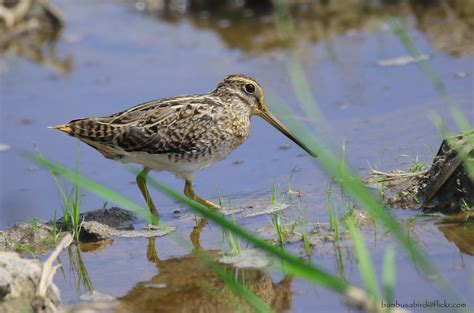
90,133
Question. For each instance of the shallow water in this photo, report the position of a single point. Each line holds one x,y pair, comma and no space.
121,57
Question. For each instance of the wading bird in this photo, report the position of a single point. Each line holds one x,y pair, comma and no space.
180,135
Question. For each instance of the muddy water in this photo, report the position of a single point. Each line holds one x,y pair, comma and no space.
122,55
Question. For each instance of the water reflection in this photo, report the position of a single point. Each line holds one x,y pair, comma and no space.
186,283
249,25
77,270
459,229
30,30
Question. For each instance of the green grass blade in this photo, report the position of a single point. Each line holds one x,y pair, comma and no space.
366,268
346,177
292,262
96,188
60,188
430,73
356,190
113,196
405,39
388,274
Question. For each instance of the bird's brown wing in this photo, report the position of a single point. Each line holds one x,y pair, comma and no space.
179,132
105,129
162,126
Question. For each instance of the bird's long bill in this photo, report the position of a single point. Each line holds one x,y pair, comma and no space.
267,116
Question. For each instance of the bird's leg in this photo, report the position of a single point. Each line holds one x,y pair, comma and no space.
195,235
189,192
151,254
141,182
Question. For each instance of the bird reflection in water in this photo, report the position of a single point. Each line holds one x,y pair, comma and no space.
186,284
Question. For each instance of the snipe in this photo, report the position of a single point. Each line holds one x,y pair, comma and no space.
180,135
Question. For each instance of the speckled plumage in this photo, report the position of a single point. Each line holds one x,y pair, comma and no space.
181,134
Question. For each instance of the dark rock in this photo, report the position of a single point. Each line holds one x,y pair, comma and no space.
446,187
113,217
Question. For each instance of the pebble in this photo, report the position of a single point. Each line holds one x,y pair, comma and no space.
461,75
97,296
4,147
401,61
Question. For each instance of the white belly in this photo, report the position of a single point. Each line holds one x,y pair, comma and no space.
181,167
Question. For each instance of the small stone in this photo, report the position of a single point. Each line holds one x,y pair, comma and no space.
32,168
94,231
402,61
179,214
157,286
97,296
259,209
246,259
294,237
224,23
289,234
140,5
4,147
461,74
362,218
26,121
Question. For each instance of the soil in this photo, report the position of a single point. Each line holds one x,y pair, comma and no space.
27,239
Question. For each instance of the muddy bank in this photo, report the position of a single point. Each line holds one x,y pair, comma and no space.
35,238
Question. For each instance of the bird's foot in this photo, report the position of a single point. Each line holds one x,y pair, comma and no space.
211,205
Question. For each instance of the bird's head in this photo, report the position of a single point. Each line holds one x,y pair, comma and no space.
249,91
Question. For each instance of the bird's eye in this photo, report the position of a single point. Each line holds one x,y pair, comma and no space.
249,88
